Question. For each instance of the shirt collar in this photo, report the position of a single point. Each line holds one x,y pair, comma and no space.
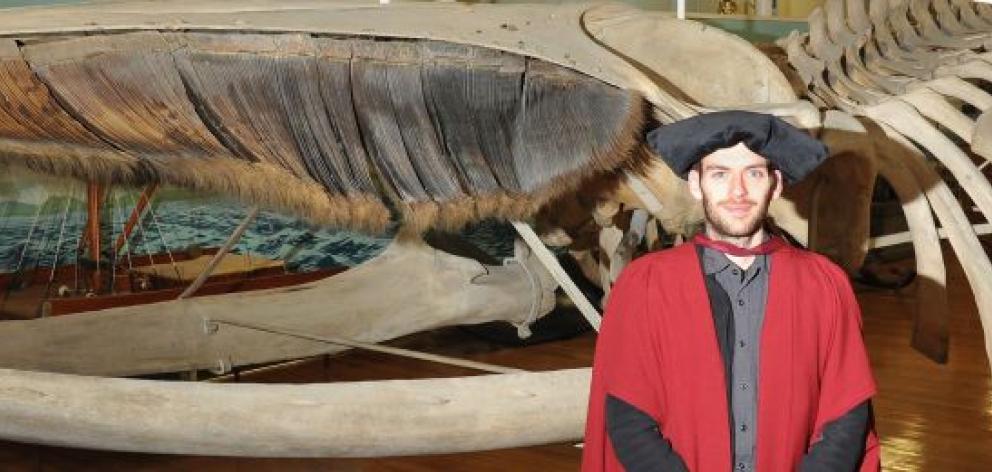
715,262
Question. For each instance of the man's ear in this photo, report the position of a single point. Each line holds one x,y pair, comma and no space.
779,184
694,188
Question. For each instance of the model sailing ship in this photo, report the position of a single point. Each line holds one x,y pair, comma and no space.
108,259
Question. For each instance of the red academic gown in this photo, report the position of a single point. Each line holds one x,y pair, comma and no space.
657,351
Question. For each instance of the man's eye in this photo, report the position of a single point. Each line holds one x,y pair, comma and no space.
757,173
717,174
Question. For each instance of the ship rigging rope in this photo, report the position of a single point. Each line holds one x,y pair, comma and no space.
7,218
127,240
7,204
144,241
113,239
161,236
27,240
46,236
396,351
79,250
58,245
58,248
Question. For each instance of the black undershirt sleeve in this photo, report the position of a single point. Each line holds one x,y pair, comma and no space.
636,440
842,446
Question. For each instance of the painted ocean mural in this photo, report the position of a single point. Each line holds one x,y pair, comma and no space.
42,220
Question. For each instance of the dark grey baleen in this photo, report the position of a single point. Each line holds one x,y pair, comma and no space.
333,129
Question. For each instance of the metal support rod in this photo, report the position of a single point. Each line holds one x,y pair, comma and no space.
550,263
231,241
496,369
644,194
237,374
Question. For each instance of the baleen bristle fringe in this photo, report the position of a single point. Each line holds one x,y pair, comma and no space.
267,186
325,129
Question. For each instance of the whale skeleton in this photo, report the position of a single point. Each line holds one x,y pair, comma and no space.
221,96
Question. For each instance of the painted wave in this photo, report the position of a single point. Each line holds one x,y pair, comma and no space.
48,234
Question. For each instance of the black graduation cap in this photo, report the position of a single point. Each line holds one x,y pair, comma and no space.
684,143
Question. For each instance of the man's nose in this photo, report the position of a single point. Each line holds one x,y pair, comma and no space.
737,186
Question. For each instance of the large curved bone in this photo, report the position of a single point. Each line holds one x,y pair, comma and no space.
427,289
955,86
967,247
353,419
969,16
932,31
904,119
736,73
923,36
981,140
983,10
933,106
930,335
886,53
948,20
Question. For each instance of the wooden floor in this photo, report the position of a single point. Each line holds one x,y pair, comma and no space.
930,417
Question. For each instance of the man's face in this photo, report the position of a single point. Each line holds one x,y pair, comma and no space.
736,187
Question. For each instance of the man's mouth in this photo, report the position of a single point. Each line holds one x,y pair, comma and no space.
738,209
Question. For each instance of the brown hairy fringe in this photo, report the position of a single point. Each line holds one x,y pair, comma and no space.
417,218
453,215
85,163
265,185
456,213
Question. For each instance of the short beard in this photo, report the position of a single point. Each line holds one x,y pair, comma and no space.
727,229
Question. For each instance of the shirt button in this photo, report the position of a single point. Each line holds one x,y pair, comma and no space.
741,343
743,427
741,466
736,272
740,302
744,385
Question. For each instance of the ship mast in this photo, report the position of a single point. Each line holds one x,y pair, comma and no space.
94,194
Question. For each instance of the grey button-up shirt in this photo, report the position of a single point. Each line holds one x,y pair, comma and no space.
748,291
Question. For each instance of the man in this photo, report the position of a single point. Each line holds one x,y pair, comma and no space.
735,351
